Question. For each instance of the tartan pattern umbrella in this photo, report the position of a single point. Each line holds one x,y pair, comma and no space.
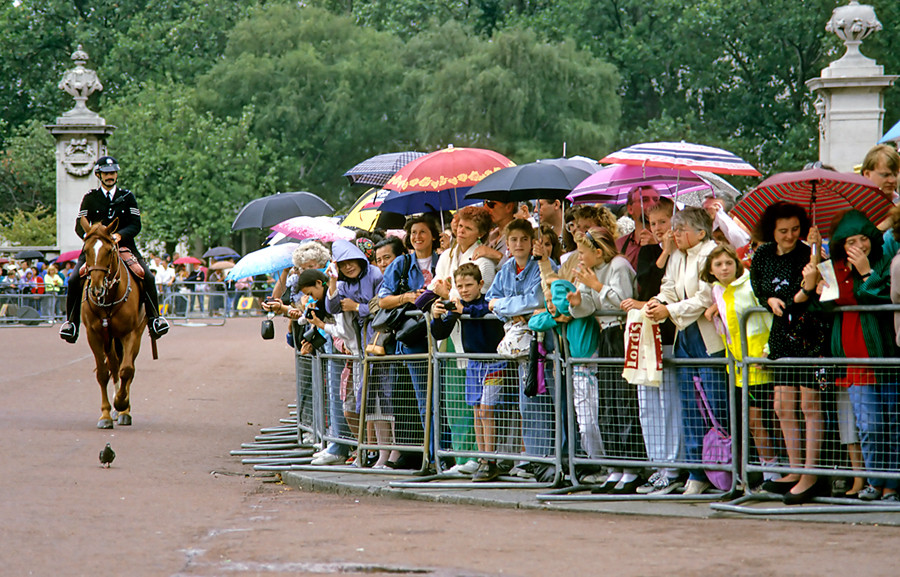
823,193
376,171
682,156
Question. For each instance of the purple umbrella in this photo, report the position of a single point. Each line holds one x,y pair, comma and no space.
611,185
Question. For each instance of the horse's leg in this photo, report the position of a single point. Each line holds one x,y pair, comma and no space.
102,371
131,346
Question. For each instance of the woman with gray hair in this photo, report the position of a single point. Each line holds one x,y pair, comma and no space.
683,298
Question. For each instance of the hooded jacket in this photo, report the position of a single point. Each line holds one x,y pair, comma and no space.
361,289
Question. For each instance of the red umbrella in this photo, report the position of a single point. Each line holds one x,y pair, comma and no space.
68,255
682,156
187,260
824,193
440,180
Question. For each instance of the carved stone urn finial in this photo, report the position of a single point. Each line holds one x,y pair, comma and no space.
80,82
852,23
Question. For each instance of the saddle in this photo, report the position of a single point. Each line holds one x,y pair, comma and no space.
131,262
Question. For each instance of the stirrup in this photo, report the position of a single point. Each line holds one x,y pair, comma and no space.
69,332
158,327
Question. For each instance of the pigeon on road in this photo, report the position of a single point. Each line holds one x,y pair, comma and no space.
107,456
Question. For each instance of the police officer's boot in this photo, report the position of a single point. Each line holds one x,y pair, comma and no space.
157,325
69,330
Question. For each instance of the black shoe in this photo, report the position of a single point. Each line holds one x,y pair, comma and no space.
778,487
808,495
627,488
158,327
606,487
69,332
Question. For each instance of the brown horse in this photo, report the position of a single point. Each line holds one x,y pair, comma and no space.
113,318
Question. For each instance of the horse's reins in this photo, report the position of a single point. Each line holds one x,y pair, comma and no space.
108,284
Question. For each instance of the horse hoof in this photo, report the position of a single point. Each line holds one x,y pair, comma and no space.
105,424
124,419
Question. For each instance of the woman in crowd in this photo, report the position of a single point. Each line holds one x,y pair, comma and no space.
863,276
683,298
405,279
784,281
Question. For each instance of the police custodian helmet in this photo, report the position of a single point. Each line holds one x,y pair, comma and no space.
106,164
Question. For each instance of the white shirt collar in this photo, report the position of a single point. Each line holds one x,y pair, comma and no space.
111,192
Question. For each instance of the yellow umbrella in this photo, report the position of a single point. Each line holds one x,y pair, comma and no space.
363,219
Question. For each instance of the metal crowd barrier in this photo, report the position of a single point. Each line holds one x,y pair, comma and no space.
835,417
32,309
197,302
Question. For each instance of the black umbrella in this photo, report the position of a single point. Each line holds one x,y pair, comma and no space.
29,255
270,210
376,171
548,179
220,251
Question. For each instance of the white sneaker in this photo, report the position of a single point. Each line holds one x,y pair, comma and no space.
329,459
467,468
695,487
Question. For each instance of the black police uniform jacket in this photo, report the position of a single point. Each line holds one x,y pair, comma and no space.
97,207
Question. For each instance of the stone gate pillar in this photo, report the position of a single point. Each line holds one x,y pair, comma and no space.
81,136
850,92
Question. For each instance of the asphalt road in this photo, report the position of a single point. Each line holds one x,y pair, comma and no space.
175,503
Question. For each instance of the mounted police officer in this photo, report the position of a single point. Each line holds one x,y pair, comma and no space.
106,204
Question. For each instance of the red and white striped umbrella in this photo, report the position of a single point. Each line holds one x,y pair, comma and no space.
682,156
823,193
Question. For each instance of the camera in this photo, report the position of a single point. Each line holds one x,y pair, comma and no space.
449,306
314,337
267,330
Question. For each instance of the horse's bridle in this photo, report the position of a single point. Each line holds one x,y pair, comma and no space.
108,283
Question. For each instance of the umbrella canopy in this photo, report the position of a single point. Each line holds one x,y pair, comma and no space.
439,180
3,260
69,255
220,252
548,179
221,265
270,210
892,135
613,183
187,260
323,228
376,171
264,261
365,214
682,156
823,193
29,255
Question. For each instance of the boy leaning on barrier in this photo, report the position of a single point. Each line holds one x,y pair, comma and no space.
514,295
479,335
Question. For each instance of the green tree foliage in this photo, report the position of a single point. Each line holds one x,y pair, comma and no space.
517,94
191,172
27,169
29,228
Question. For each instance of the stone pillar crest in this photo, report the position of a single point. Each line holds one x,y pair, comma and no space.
853,23
80,82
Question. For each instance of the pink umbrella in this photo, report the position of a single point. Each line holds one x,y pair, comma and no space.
69,255
612,184
187,260
324,228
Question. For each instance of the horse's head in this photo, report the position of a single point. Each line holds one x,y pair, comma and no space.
100,256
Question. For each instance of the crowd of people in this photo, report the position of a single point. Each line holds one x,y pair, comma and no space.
46,283
495,274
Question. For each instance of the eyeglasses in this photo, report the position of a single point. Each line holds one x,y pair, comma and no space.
682,230
491,203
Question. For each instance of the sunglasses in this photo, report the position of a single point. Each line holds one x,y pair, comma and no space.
491,203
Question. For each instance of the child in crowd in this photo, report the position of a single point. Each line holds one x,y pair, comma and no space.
513,296
605,279
483,378
733,295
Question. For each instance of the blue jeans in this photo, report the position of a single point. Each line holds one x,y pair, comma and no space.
337,424
875,407
689,345
537,414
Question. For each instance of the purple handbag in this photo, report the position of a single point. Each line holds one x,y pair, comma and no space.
716,444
